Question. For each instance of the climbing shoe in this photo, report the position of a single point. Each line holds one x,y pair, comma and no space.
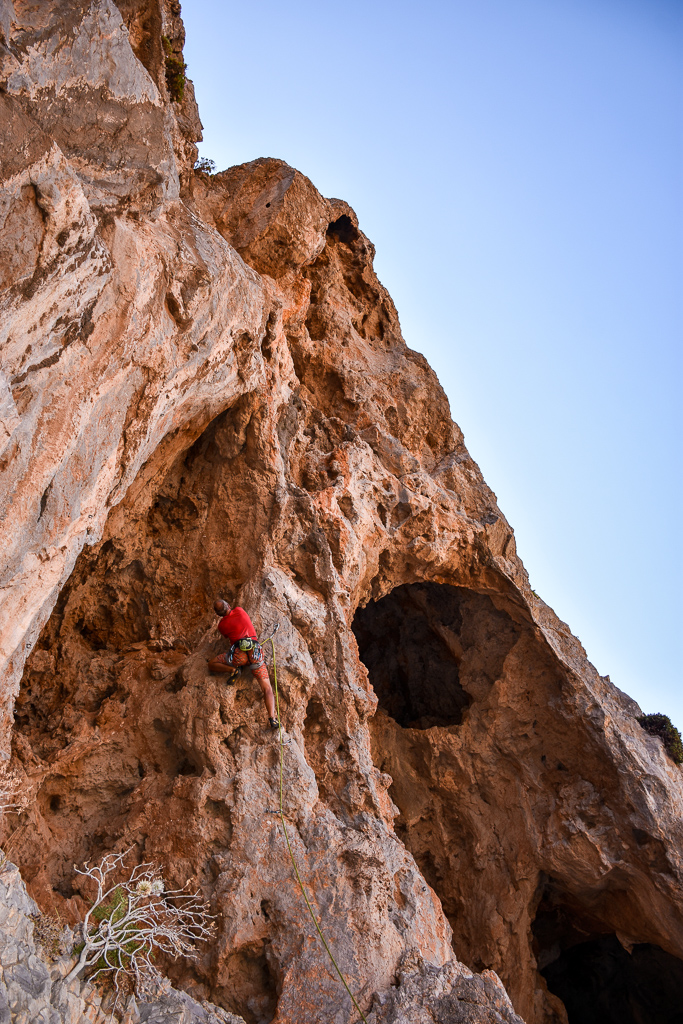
273,723
232,677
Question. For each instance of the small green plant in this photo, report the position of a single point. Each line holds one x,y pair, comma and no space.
205,165
129,920
662,726
175,70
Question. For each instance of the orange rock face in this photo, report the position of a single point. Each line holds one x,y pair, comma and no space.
238,415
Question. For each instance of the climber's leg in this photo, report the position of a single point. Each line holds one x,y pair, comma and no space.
260,673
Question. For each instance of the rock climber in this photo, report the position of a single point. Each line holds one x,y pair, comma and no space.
238,628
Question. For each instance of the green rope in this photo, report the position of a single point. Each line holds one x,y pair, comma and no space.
291,852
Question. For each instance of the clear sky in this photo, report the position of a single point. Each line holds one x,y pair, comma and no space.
518,165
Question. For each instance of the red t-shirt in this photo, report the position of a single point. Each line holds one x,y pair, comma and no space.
236,625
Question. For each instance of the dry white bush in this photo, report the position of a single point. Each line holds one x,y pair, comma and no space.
131,919
9,785
14,798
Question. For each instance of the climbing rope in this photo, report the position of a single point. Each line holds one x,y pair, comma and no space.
289,845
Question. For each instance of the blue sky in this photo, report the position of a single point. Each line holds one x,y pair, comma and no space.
518,165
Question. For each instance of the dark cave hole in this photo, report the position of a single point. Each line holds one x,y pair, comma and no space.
177,682
94,636
597,979
44,500
600,982
55,803
65,889
315,720
402,641
255,996
343,230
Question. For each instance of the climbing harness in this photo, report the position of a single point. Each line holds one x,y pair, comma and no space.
250,646
289,845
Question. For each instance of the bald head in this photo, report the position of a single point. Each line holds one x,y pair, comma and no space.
221,607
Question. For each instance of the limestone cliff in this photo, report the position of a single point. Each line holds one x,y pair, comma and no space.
205,391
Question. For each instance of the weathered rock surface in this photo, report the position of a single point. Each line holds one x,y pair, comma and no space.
123,316
206,391
451,994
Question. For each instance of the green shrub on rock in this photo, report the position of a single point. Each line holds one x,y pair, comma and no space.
662,726
175,71
205,166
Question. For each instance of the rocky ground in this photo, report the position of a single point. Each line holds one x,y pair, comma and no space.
205,391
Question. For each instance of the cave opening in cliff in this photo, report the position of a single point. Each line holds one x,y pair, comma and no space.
598,979
343,230
408,641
